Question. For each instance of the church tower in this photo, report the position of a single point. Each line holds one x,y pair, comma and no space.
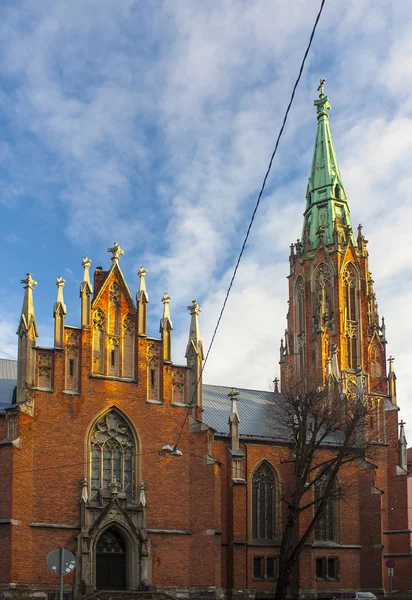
333,325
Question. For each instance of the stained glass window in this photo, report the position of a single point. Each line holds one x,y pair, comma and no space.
112,456
263,502
110,542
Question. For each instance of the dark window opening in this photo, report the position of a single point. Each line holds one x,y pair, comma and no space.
321,568
152,378
272,568
265,568
333,568
113,358
71,367
327,568
259,568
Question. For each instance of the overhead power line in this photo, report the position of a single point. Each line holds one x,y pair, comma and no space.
292,97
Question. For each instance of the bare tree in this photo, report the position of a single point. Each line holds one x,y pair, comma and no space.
326,430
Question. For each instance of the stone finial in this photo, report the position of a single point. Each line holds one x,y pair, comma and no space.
142,495
60,285
29,282
194,308
166,301
86,262
194,333
116,251
403,445
234,419
166,327
142,283
28,305
142,298
276,385
85,492
391,360
166,311
233,395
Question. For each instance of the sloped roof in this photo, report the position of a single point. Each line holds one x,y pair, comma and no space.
260,412
8,381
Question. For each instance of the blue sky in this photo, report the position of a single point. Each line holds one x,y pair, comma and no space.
152,124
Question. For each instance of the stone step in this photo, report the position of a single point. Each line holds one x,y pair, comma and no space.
128,595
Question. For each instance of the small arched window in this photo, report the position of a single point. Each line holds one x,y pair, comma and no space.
264,490
112,449
327,528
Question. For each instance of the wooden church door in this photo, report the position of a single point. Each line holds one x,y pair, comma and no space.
111,561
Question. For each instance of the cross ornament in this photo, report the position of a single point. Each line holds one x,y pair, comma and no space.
116,251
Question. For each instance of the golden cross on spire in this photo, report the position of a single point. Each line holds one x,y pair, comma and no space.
321,86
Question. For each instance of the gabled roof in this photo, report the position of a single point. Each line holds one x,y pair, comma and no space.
109,275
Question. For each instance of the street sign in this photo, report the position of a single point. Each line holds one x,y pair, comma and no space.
391,571
61,565
390,563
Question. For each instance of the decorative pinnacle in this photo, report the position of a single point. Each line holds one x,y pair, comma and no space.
142,284
29,281
166,299
142,272
233,395
194,308
116,251
276,384
391,361
86,262
166,311
60,300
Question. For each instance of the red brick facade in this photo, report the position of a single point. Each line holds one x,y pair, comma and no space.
186,523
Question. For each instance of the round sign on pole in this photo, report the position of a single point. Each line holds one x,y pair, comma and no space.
390,563
54,560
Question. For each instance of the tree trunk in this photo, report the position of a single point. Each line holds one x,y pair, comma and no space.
283,583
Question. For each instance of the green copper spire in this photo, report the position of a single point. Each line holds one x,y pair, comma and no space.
326,204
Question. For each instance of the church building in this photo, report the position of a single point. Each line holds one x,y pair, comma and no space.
159,482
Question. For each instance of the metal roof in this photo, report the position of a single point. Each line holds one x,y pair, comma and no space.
8,369
260,412
8,381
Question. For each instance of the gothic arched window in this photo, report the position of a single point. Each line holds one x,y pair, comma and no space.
264,490
349,285
327,528
112,449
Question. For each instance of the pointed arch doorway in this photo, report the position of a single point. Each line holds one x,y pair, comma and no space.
111,561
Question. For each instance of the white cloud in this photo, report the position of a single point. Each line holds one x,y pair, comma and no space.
155,127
